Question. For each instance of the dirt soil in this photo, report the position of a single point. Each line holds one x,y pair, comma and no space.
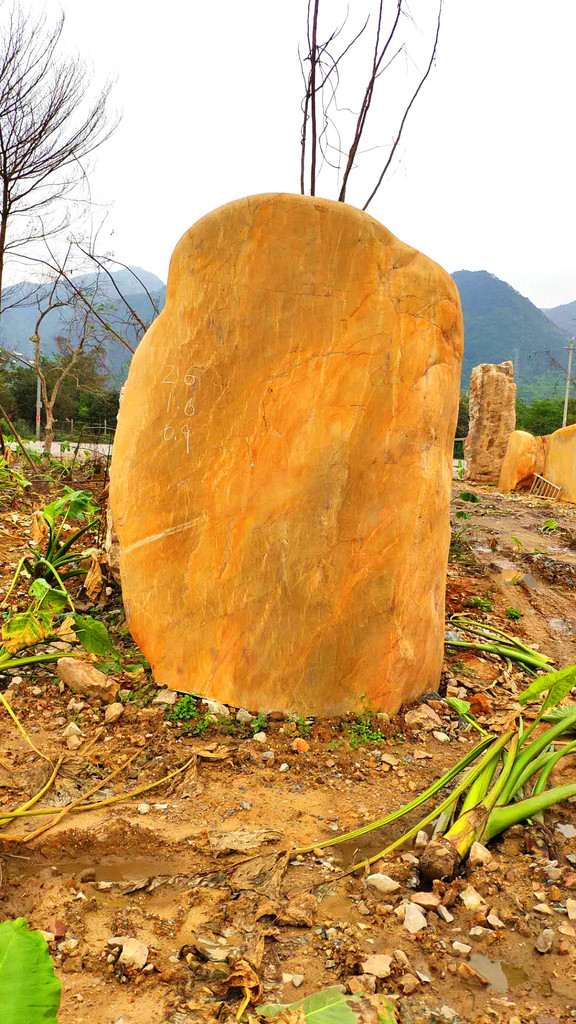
149,867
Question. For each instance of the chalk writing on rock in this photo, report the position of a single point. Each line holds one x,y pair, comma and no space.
172,378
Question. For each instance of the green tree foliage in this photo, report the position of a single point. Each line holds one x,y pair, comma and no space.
463,416
83,396
543,416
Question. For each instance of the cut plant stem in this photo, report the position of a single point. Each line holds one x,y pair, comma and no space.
442,856
533,660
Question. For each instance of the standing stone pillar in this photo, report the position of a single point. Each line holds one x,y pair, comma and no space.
282,465
492,420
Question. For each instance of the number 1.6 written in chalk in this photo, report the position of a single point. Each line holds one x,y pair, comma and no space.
171,378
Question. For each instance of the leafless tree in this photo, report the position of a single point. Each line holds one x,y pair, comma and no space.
79,340
89,323
320,108
82,255
49,125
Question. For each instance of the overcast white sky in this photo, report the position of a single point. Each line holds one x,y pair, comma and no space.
210,93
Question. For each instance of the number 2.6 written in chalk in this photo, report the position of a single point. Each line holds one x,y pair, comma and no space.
171,378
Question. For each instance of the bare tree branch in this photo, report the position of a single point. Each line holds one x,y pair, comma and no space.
407,111
48,123
321,85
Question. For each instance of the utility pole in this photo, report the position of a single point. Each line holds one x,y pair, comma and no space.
570,348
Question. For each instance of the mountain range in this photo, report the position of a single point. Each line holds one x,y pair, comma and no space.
139,290
500,324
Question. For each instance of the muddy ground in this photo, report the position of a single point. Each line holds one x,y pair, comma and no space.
149,867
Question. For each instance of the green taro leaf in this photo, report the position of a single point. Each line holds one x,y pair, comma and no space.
557,683
330,1006
463,515
50,599
469,496
93,635
29,990
78,503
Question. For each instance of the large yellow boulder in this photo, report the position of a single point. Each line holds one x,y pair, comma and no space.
560,466
282,465
519,464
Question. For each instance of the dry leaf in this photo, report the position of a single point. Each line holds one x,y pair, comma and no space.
220,754
300,912
244,976
188,784
262,873
65,631
93,581
242,840
39,529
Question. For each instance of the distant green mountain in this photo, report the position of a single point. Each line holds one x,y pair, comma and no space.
500,324
564,317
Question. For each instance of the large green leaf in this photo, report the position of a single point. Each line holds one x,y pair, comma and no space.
331,1006
77,503
29,989
93,635
469,496
50,599
558,685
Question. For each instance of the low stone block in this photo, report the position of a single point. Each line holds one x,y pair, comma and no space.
560,467
525,456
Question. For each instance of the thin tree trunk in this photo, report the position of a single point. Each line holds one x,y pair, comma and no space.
49,433
313,98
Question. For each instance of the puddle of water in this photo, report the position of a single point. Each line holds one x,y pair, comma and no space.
491,970
564,626
504,563
114,871
500,975
132,870
512,576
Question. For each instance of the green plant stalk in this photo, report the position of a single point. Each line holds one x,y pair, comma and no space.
407,808
71,540
443,822
552,761
42,561
470,626
56,537
530,753
33,659
470,777
531,769
502,818
479,789
504,652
